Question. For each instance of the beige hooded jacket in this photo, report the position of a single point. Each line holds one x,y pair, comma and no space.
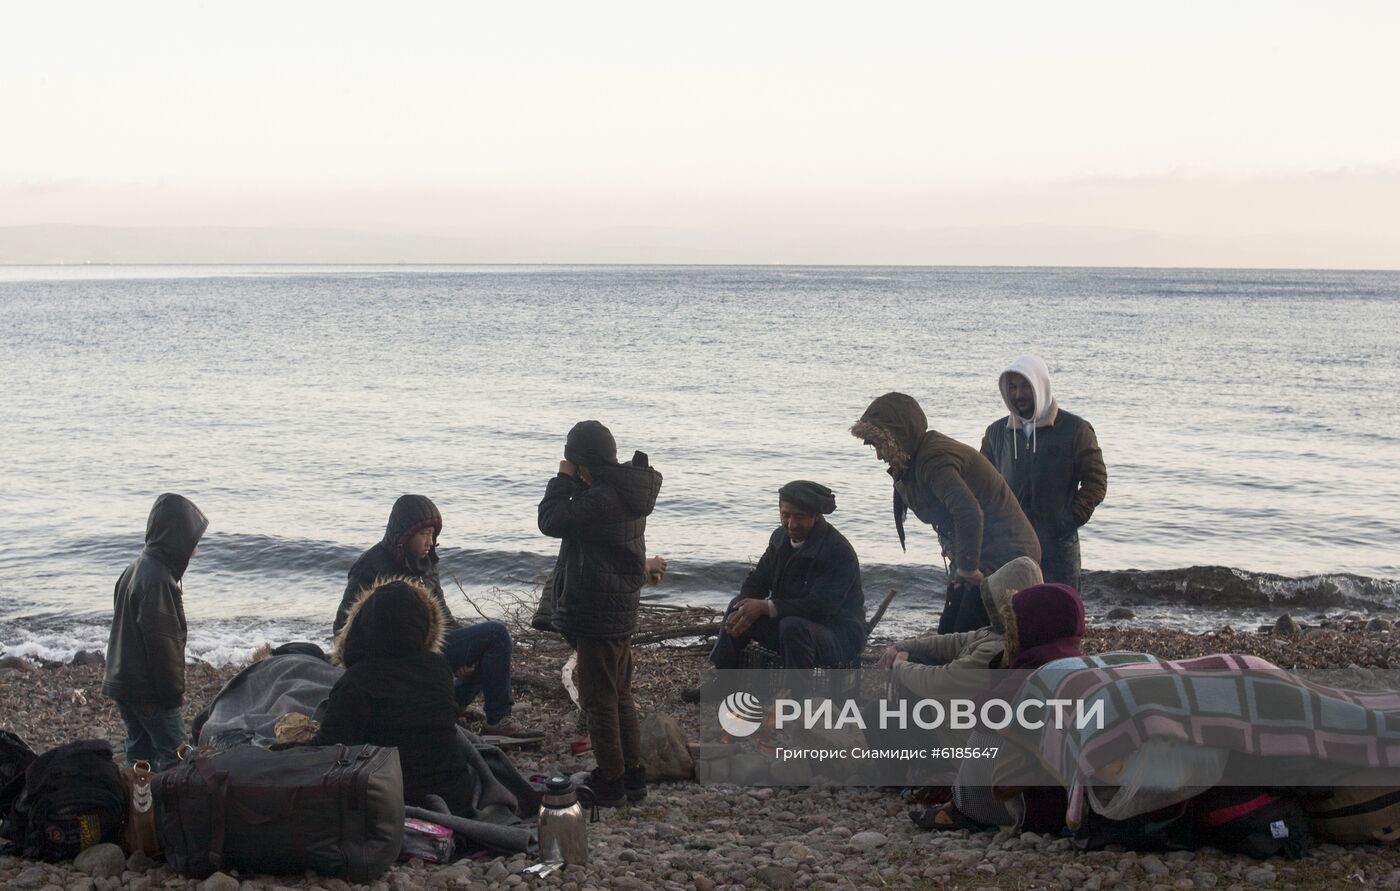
961,659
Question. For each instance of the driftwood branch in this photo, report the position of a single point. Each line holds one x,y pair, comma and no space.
469,600
879,612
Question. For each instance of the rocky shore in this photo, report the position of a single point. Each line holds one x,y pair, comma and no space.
687,836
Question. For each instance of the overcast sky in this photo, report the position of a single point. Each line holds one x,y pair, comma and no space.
1214,133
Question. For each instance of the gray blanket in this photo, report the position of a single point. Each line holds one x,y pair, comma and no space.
248,707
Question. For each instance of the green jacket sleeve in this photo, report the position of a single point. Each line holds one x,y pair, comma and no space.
1090,473
961,504
937,649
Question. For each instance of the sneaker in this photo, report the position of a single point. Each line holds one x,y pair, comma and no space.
690,695
601,793
512,731
634,783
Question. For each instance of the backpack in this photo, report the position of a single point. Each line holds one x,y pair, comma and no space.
1357,814
72,799
1253,820
15,758
139,831
1167,829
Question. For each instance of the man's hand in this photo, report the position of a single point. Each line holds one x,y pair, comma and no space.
568,468
887,657
744,614
656,569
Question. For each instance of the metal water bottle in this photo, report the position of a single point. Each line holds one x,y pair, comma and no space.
563,826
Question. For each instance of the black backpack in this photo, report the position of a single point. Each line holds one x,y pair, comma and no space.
15,758
72,799
1252,820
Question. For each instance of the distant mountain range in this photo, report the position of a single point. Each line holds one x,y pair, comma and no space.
1021,245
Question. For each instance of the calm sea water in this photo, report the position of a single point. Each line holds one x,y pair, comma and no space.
1244,417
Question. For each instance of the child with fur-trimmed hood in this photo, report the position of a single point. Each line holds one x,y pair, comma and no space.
397,691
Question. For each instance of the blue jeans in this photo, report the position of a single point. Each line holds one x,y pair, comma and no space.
152,733
486,647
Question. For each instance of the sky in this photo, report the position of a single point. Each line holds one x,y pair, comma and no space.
926,132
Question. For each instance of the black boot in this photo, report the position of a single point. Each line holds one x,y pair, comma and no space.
634,783
601,792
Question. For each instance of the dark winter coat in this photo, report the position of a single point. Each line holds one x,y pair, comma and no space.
819,581
397,691
146,647
951,487
601,567
411,514
1059,479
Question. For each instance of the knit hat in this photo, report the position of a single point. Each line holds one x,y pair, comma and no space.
814,498
590,444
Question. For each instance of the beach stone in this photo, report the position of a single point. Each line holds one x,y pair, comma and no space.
82,885
140,862
32,877
101,861
665,754
219,881
496,872
779,877
704,884
1379,625
868,841
88,657
1206,879
1153,867
1286,626
1119,613
17,663
1260,875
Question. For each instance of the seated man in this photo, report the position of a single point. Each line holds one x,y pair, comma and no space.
479,654
803,600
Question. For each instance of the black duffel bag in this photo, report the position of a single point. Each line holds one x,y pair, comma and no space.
337,810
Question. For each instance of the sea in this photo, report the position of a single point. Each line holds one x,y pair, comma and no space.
1244,415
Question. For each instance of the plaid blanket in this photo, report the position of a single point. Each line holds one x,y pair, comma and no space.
1241,704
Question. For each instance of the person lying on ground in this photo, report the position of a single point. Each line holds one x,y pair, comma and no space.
956,490
146,646
479,653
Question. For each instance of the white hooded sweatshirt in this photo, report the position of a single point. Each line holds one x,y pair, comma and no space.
1033,369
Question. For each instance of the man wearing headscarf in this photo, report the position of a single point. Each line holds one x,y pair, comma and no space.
1052,462
803,600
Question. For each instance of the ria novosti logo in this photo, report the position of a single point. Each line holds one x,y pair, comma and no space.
740,714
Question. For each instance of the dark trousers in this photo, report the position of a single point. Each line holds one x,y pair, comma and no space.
605,693
486,647
153,733
1059,559
962,609
801,643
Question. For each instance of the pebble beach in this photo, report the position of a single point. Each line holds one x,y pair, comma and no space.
689,836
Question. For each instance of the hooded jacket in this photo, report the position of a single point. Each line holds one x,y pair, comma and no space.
146,646
1043,623
389,558
949,486
958,662
1051,461
397,690
819,581
601,567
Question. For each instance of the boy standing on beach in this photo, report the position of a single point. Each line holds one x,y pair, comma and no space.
146,648
599,508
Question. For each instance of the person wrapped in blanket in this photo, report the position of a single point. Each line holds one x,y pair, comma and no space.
397,691
1041,623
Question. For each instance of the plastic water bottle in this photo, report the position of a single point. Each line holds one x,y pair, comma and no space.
563,826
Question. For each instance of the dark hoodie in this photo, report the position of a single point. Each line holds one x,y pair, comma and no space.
397,691
949,486
146,647
411,514
602,560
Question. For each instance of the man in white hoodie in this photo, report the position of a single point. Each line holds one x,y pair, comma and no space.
1052,462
